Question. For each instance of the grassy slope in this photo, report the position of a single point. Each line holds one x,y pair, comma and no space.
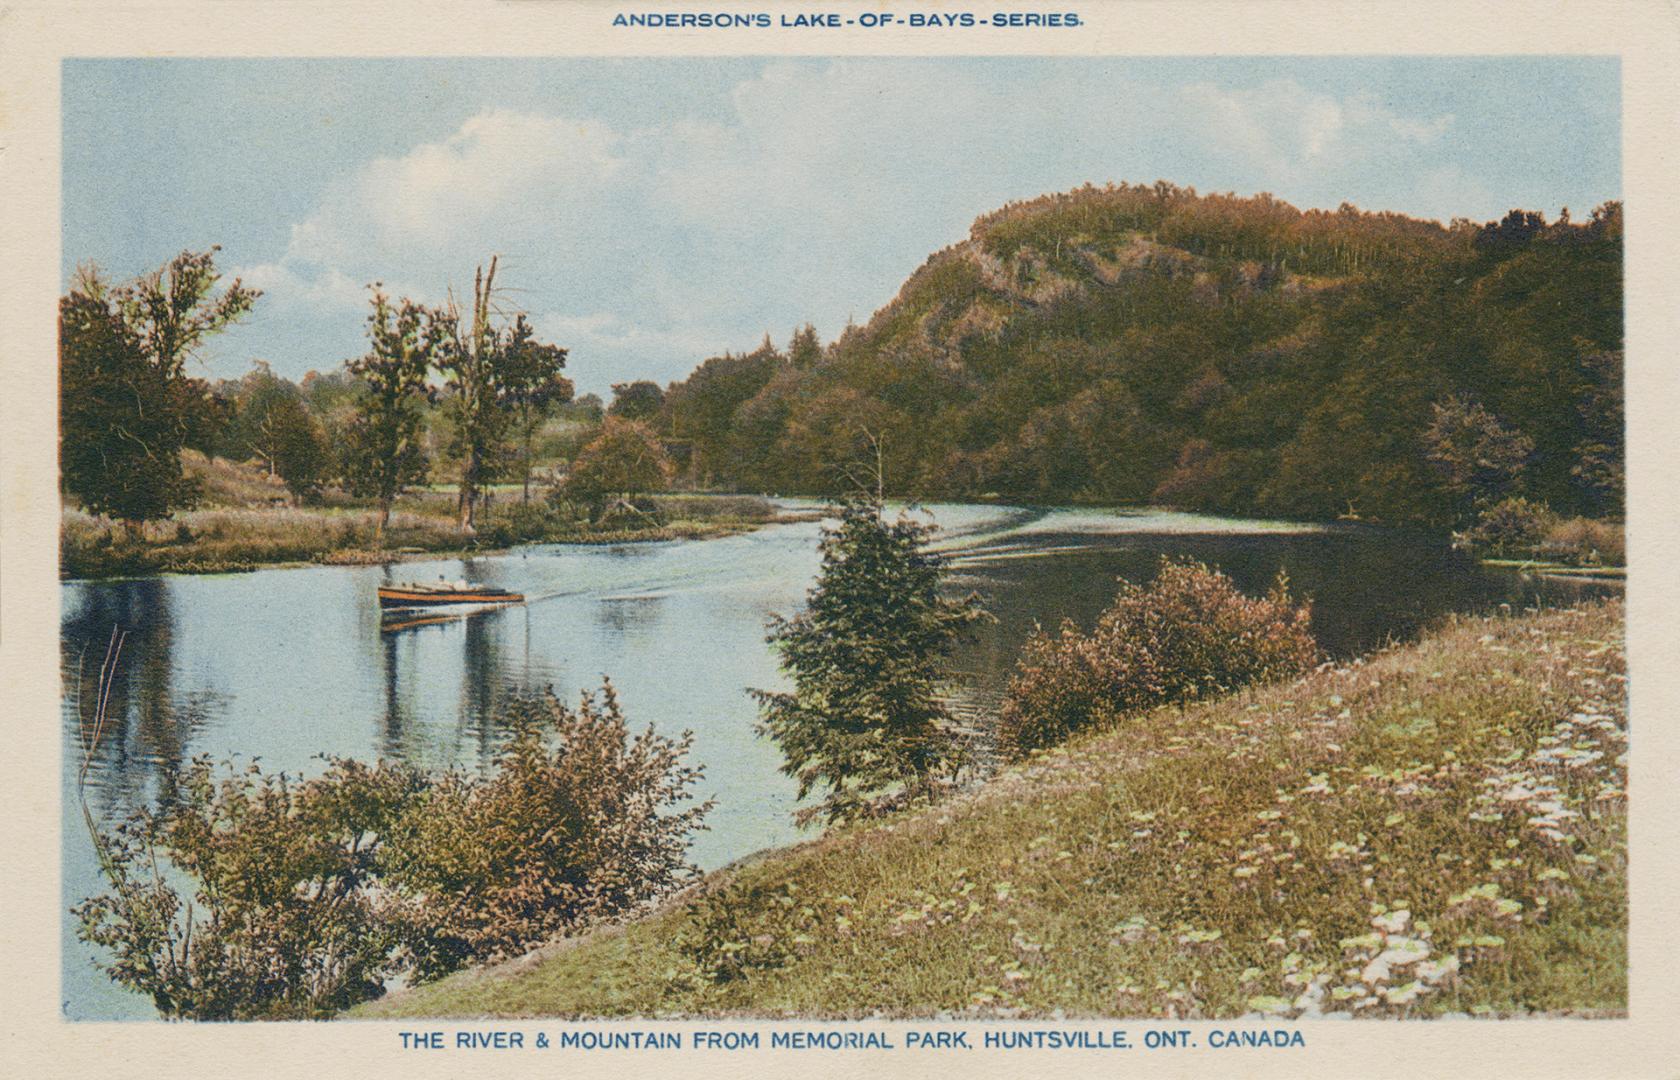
1291,849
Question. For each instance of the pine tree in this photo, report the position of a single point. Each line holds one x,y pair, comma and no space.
868,659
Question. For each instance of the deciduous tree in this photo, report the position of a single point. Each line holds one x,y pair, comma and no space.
383,451
488,368
624,460
127,406
640,400
531,386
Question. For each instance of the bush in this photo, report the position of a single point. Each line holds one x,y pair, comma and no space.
714,507
1189,634
309,895
518,523
1585,541
283,925
566,511
1512,525
571,829
1516,526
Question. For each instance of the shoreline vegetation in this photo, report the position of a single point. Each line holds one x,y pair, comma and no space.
247,521
1438,828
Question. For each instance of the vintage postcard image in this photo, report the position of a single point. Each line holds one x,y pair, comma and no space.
733,540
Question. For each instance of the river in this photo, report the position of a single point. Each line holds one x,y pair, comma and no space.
283,666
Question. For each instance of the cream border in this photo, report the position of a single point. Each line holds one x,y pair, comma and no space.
36,34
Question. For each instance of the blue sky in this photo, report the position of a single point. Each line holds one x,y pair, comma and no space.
652,212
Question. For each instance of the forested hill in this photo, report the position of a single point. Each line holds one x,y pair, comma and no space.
1149,344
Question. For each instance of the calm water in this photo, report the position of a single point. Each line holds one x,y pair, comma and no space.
286,665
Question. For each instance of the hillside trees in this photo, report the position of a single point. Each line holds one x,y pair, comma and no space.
127,405
804,349
1232,354
383,451
1478,459
700,412
1601,452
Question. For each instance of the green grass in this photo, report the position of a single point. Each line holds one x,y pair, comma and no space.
1461,800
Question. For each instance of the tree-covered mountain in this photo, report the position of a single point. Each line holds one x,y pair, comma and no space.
1146,343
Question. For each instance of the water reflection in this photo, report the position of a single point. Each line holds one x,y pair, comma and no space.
148,726
633,615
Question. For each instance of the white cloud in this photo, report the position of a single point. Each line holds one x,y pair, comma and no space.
1285,132
281,284
494,175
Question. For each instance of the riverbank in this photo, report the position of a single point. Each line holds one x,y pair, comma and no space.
1437,828
248,522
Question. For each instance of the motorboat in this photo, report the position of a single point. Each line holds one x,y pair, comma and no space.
440,593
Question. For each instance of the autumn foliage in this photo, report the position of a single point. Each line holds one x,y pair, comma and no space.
1188,634
306,897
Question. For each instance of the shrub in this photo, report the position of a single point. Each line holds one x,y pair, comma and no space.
1189,634
575,826
729,933
867,659
1585,541
283,924
566,511
520,522
715,507
309,895
1513,524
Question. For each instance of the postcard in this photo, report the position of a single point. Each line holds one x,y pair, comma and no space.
701,538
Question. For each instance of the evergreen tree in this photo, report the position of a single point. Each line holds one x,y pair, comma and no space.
804,350
868,658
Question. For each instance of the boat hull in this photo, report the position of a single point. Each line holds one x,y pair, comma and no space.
397,598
